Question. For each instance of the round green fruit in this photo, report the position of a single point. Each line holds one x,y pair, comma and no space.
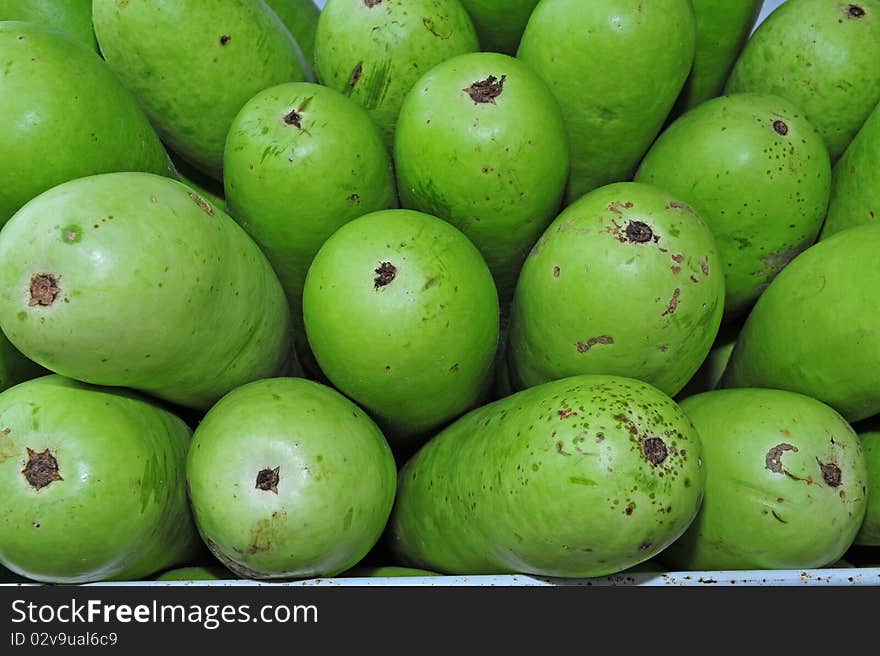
73,17
870,532
500,23
388,572
198,573
310,486
300,17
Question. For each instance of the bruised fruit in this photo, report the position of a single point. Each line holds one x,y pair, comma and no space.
626,281
500,23
64,116
823,57
193,64
133,280
814,330
309,490
758,173
481,143
212,573
73,17
579,477
402,316
785,483
869,534
300,17
93,484
374,51
616,67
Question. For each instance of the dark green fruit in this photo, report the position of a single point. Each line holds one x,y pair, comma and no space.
500,23
300,17
211,573
870,531
73,17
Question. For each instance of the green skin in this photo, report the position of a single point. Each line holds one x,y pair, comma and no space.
156,290
709,374
769,503
418,350
822,56
57,91
813,330
496,168
335,482
500,23
553,481
375,55
73,17
198,573
118,510
614,105
722,30
387,572
300,17
869,535
593,299
855,191
758,173
193,64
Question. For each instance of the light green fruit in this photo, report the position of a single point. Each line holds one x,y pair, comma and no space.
133,280
93,484
309,490
626,281
785,483
500,23
193,64
73,17
616,67
198,573
581,477
758,173
300,17
870,531
374,52
821,55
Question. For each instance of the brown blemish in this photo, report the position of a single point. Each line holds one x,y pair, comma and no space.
780,127
773,461
41,469
44,289
356,75
202,203
675,205
617,207
583,347
385,275
454,368
638,232
560,450
704,266
831,473
855,11
294,118
644,546
673,302
774,263
225,39
369,4
354,198
629,508
267,479
556,272
486,91
565,414
655,450
678,258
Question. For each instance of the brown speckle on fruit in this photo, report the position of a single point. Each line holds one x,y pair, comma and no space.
773,460
294,118
385,275
673,302
830,473
355,75
44,289
583,347
202,203
638,232
225,39
655,450
369,4
855,11
267,479
41,469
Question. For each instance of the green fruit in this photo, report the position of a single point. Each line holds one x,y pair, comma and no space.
210,573
580,477
758,173
722,29
193,64
93,484
388,572
203,185
855,191
309,490
616,67
814,330
870,531
500,23
64,116
481,143
626,281
73,17
402,316
300,17
822,56
709,374
130,279
374,52
785,483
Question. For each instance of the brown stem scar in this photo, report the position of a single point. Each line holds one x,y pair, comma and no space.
44,289
780,127
385,275
41,469
486,91
655,450
267,479
638,232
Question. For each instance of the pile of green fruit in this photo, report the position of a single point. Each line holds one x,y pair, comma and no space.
402,287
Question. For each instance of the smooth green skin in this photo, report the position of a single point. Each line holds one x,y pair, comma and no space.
614,105
156,294
418,351
199,573
869,534
755,518
814,330
300,17
855,190
722,30
496,170
553,481
170,54
387,572
656,306
73,17
813,53
375,55
64,116
763,194
120,511
500,23
336,480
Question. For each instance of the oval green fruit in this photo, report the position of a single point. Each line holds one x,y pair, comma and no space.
822,56
374,51
93,484
626,281
73,17
814,330
309,490
300,17
193,64
387,572
614,103
133,280
785,483
500,23
580,477
197,573
64,116
481,143
869,534
758,173
426,316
